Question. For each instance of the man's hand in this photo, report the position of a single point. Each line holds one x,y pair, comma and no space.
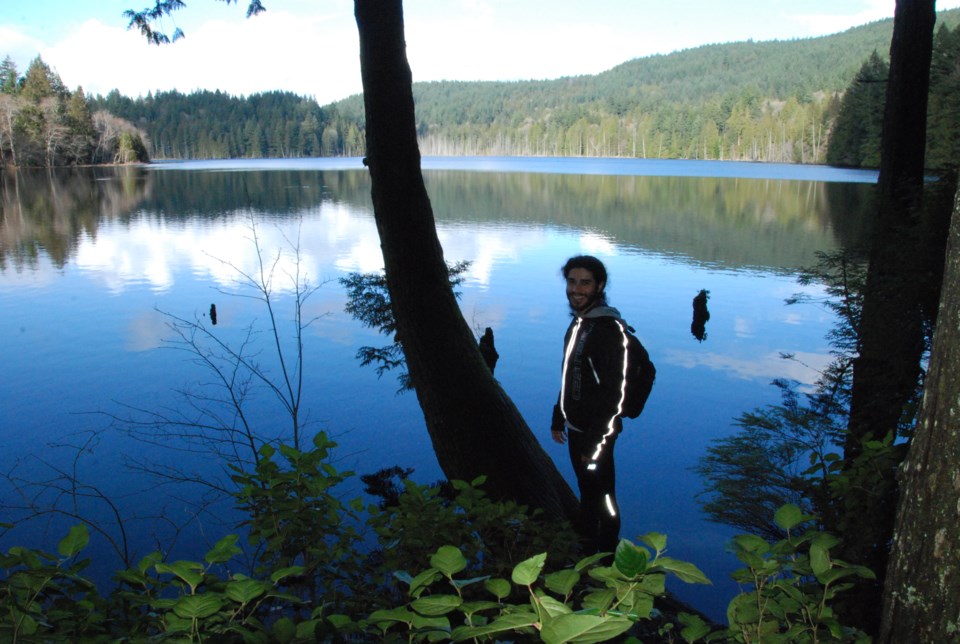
559,436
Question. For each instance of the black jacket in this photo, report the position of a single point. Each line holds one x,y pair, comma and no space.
592,375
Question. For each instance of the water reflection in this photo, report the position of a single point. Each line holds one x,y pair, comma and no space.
47,212
701,315
732,223
100,251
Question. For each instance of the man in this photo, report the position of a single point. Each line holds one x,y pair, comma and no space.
587,415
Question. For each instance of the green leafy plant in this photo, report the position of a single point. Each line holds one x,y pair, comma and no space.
792,583
44,597
494,535
324,588
296,520
588,602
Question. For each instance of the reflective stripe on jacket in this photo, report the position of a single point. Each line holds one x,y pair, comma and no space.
593,376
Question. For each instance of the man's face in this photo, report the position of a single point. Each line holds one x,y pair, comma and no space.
582,289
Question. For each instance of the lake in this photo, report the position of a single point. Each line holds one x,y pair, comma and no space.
94,261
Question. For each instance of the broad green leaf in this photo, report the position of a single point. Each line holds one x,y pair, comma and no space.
742,609
553,607
630,560
833,574
175,624
283,573
641,603
436,629
586,562
433,605
685,571
421,581
526,572
583,628
657,541
819,558
509,623
469,608
267,451
750,543
149,561
448,560
562,581
27,557
339,621
600,600
197,606
224,550
693,627
75,541
401,614
306,630
244,591
27,624
654,584
500,588
131,577
284,630
162,605
789,516
185,570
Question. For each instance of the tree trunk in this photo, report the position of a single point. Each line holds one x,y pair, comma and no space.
887,369
922,595
891,335
474,426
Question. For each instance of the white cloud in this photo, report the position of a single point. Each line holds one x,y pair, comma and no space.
311,48
19,46
278,50
805,368
867,11
595,244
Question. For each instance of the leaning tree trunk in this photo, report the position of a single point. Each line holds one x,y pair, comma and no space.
474,426
922,594
887,368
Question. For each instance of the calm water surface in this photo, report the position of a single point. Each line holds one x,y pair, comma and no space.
90,260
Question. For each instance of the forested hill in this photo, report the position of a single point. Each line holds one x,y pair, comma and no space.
765,101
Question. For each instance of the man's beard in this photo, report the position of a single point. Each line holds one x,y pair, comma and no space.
588,304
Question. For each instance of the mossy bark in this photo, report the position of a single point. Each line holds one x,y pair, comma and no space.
922,593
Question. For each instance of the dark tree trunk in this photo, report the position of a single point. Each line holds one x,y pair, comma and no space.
922,595
887,369
891,334
474,426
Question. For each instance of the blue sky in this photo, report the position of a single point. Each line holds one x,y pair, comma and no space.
309,47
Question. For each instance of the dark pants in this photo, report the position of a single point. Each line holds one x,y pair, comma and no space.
599,513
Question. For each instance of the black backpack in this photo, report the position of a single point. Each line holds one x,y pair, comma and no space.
640,374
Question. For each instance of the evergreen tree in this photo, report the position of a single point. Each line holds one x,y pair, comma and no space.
943,114
78,113
9,77
41,82
855,140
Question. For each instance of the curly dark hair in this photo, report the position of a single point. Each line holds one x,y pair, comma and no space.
590,263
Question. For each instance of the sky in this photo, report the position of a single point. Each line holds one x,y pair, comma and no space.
310,47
